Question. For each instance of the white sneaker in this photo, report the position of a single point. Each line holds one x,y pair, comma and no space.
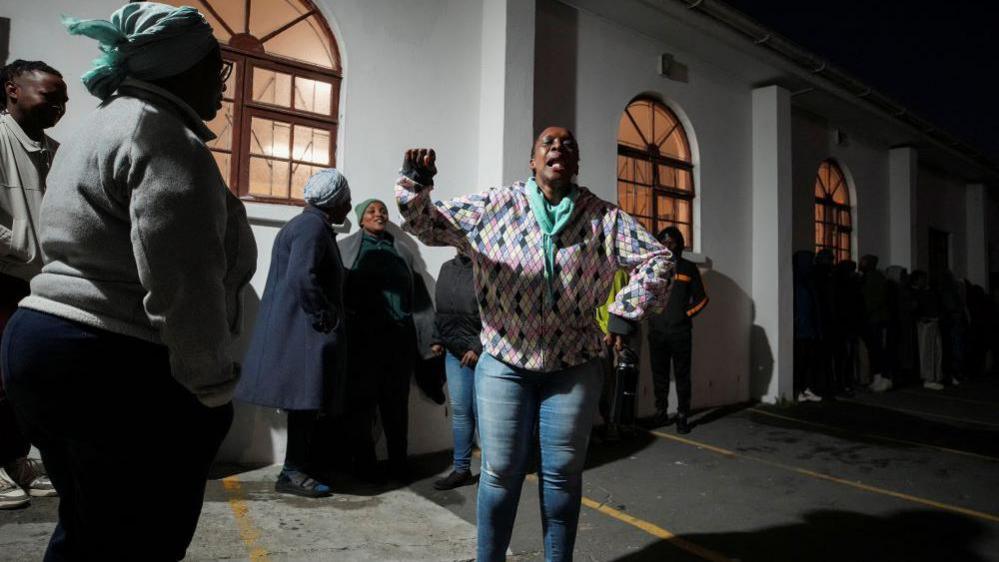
933,385
30,473
955,382
880,384
11,495
808,396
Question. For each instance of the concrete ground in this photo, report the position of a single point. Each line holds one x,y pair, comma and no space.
908,475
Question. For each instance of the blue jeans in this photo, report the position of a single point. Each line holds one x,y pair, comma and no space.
513,406
461,387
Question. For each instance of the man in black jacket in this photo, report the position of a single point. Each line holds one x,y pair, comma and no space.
670,333
456,332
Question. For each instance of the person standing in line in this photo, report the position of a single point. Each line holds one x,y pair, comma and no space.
297,355
545,252
34,96
929,342
457,330
390,328
807,328
848,325
120,363
875,290
671,334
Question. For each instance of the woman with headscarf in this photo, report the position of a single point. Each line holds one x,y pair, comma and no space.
391,327
119,364
545,252
296,360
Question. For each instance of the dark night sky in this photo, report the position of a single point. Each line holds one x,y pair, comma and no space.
937,58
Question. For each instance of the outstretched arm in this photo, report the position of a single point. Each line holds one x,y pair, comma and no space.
445,223
651,269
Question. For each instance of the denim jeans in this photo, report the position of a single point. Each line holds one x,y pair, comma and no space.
514,405
461,387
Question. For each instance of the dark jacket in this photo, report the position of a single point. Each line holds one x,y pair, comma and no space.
807,324
457,325
296,359
686,300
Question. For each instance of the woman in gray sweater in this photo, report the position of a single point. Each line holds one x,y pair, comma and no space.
119,364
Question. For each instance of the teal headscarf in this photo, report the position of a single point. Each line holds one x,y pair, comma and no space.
552,219
145,40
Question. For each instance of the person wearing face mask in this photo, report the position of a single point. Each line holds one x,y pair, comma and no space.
545,252
34,96
297,355
120,365
391,326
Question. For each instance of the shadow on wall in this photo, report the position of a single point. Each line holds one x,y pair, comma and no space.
721,349
251,436
556,33
831,535
761,359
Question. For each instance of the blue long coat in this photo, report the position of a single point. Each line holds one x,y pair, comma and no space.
297,354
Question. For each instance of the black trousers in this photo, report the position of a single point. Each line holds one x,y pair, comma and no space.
671,349
13,444
380,380
107,416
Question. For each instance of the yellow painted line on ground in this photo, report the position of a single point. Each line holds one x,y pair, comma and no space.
650,528
873,436
918,413
947,397
241,511
656,531
821,476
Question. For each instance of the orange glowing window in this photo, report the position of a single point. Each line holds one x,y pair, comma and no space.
833,214
655,182
278,121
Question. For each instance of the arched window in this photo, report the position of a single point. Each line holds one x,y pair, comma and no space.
278,120
833,221
655,182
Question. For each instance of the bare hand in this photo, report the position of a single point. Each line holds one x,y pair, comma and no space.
469,359
437,349
421,160
617,340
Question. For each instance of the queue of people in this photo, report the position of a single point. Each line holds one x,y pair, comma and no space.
860,326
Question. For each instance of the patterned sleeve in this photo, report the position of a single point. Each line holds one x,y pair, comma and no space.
651,266
444,223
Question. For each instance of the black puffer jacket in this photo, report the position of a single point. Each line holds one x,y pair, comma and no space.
457,324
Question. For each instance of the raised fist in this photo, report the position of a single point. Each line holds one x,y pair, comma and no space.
420,165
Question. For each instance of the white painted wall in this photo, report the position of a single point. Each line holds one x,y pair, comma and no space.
587,71
865,164
940,205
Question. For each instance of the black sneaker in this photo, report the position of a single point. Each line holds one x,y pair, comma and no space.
454,480
682,425
660,419
301,484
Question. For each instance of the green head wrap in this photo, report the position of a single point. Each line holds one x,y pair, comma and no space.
145,40
363,206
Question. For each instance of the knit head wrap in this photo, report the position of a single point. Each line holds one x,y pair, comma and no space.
363,206
327,189
144,40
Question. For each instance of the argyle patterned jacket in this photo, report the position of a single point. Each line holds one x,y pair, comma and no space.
523,324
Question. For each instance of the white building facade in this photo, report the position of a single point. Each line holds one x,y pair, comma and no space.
476,79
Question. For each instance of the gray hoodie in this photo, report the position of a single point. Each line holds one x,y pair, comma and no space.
142,237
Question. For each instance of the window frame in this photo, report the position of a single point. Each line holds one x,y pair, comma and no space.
833,229
655,158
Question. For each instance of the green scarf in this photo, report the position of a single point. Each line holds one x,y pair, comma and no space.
552,219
